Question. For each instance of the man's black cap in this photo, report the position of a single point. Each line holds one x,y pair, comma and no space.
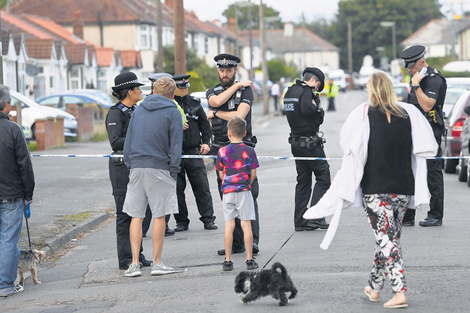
182,80
318,73
412,54
154,77
226,60
126,80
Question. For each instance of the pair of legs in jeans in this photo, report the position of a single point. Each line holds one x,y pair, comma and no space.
386,212
11,220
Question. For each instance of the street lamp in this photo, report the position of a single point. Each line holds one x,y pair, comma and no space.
248,4
392,25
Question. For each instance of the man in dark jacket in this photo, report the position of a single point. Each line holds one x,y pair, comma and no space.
16,188
303,112
196,140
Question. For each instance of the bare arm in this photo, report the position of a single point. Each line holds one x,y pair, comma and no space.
216,101
426,103
241,112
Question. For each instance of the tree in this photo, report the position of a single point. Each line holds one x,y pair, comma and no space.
243,16
278,68
367,34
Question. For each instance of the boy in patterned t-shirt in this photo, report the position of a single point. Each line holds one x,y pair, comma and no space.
236,164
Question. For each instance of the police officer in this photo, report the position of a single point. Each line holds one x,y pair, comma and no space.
303,112
148,213
227,100
428,91
126,90
196,140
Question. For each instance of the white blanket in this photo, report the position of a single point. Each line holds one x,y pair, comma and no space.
345,191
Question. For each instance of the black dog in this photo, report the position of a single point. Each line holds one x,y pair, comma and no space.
267,282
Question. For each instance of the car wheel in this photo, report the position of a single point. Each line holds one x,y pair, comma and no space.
450,165
33,131
463,170
468,174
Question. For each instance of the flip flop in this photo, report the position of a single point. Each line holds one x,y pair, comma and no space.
367,292
395,306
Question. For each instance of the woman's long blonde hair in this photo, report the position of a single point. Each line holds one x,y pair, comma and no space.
382,95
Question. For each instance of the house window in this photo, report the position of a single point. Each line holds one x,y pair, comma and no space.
145,40
206,45
74,73
74,84
51,82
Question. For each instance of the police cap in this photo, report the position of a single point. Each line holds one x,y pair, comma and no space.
226,60
318,73
154,77
182,80
412,54
126,80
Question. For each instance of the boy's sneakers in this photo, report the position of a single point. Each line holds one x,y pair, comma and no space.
133,271
251,264
161,269
228,265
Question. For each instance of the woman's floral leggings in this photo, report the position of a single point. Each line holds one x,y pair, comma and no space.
385,212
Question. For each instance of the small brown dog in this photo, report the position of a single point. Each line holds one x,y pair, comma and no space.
28,261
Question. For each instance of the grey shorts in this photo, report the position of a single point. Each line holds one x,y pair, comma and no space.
150,186
239,204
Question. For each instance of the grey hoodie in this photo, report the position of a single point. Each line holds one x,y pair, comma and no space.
155,136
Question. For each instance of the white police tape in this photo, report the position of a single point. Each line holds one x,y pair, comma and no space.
214,156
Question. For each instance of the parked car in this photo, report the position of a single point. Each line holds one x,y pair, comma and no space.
454,124
464,169
339,78
201,95
402,90
455,88
97,93
63,101
31,111
28,134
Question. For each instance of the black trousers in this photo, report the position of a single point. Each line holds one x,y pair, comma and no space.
435,180
119,177
238,239
331,104
196,171
275,98
305,170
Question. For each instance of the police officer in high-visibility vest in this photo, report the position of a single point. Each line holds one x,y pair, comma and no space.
304,115
428,91
227,100
332,91
126,90
196,140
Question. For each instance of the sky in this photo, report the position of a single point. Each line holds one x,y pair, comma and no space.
313,9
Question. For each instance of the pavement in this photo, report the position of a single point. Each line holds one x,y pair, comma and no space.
73,200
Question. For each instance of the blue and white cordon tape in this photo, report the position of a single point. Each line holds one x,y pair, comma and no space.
213,157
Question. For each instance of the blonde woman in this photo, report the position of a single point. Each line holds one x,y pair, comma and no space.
385,145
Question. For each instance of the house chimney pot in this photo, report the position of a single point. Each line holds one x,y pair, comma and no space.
77,24
288,29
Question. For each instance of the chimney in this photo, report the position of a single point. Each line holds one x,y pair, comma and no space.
170,3
288,29
77,24
232,24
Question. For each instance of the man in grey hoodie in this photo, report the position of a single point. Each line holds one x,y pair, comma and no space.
152,151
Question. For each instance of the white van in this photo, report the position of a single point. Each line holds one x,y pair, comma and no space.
339,78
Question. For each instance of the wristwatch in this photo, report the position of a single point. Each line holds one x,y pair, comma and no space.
213,112
414,87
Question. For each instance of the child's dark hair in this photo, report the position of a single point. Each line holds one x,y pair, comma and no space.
237,127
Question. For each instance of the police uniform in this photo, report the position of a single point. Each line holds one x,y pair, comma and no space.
117,122
305,116
434,86
199,132
220,139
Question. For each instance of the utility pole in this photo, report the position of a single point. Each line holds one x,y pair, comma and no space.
159,37
180,46
264,64
350,59
251,40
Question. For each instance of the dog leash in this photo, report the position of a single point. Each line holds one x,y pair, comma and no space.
285,242
27,214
